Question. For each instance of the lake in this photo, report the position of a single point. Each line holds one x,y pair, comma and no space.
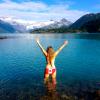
22,67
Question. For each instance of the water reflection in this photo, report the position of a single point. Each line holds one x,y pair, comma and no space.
50,91
50,85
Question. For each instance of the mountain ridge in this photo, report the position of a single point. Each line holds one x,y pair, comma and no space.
88,23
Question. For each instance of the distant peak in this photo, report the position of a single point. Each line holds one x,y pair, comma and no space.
64,20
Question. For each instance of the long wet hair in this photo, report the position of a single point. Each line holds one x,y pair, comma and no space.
50,52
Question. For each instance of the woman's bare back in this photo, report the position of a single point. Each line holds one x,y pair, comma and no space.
50,61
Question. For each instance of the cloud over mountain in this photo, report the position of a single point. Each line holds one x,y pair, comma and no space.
39,10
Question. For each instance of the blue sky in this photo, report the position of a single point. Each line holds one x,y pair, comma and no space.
44,10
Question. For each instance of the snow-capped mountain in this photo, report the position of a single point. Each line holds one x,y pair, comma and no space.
22,26
26,24
6,27
57,24
17,25
34,25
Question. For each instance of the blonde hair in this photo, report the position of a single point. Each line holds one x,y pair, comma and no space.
50,53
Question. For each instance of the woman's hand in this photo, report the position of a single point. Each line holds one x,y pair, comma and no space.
37,40
65,42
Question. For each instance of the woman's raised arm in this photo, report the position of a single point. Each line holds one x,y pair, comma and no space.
62,46
41,47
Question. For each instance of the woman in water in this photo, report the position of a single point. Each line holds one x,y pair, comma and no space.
50,56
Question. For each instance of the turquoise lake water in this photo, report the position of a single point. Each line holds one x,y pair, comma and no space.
22,65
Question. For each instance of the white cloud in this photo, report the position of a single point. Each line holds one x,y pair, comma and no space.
24,6
39,11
